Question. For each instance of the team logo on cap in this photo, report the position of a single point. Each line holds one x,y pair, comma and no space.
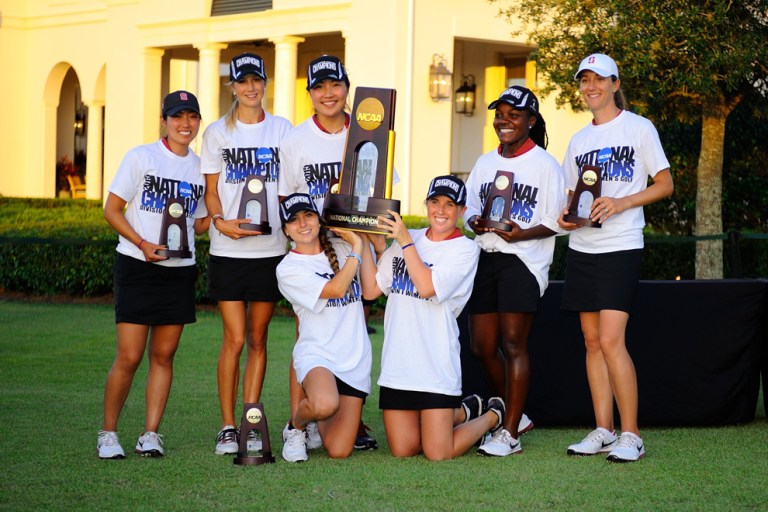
183,96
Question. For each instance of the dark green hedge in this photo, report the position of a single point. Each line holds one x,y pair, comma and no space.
51,247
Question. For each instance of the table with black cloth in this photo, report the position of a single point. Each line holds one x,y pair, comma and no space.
698,347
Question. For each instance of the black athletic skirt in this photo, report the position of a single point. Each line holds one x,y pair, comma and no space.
503,284
150,294
243,279
594,282
402,400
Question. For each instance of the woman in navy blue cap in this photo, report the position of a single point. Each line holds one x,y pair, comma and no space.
241,267
603,265
311,155
154,295
513,270
427,276
332,357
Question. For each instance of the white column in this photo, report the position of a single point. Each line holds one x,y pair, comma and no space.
94,158
286,50
153,74
209,82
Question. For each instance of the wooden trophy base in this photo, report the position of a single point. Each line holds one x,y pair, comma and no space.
184,252
493,224
264,228
581,221
253,419
339,213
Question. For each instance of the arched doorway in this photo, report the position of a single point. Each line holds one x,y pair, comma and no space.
71,137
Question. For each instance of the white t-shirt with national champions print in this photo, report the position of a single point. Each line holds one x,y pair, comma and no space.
538,198
332,332
235,155
628,150
309,159
421,336
147,177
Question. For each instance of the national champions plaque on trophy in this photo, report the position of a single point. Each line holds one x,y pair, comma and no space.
253,419
498,203
173,233
364,189
253,205
587,190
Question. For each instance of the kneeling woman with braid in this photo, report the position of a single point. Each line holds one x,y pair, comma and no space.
332,356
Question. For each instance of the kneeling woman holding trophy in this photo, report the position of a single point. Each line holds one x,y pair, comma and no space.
156,189
332,356
427,275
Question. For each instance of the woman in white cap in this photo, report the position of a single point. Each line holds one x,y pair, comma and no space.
154,294
512,274
241,267
603,264
311,156
332,357
427,276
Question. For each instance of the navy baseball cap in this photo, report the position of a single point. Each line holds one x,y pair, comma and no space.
520,98
326,67
295,203
449,186
177,101
246,64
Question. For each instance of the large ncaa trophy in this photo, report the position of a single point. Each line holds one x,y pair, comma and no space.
587,190
173,233
253,205
498,203
253,419
365,185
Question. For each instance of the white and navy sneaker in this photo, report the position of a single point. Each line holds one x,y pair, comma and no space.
472,406
226,440
150,444
629,448
295,446
108,445
599,440
313,436
254,441
501,444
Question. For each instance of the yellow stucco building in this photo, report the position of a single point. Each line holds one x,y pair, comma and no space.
85,78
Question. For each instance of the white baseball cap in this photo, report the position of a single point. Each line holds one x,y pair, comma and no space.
600,63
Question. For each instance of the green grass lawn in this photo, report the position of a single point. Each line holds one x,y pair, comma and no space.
54,359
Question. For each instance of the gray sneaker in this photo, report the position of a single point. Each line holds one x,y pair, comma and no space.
108,445
226,441
599,440
150,444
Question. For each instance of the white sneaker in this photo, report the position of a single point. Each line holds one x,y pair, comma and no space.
599,440
108,445
150,444
254,441
295,446
226,440
501,444
313,436
629,448
525,425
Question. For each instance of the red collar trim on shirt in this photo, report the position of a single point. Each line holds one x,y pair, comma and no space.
165,143
456,234
526,147
322,128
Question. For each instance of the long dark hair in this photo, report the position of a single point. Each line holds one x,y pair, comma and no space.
538,133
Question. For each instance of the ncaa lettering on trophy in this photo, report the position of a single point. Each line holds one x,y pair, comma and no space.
364,189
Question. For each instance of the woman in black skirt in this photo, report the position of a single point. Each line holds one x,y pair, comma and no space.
154,294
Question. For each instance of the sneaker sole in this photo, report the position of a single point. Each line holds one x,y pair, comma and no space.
366,447
148,453
618,460
114,457
222,452
486,454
